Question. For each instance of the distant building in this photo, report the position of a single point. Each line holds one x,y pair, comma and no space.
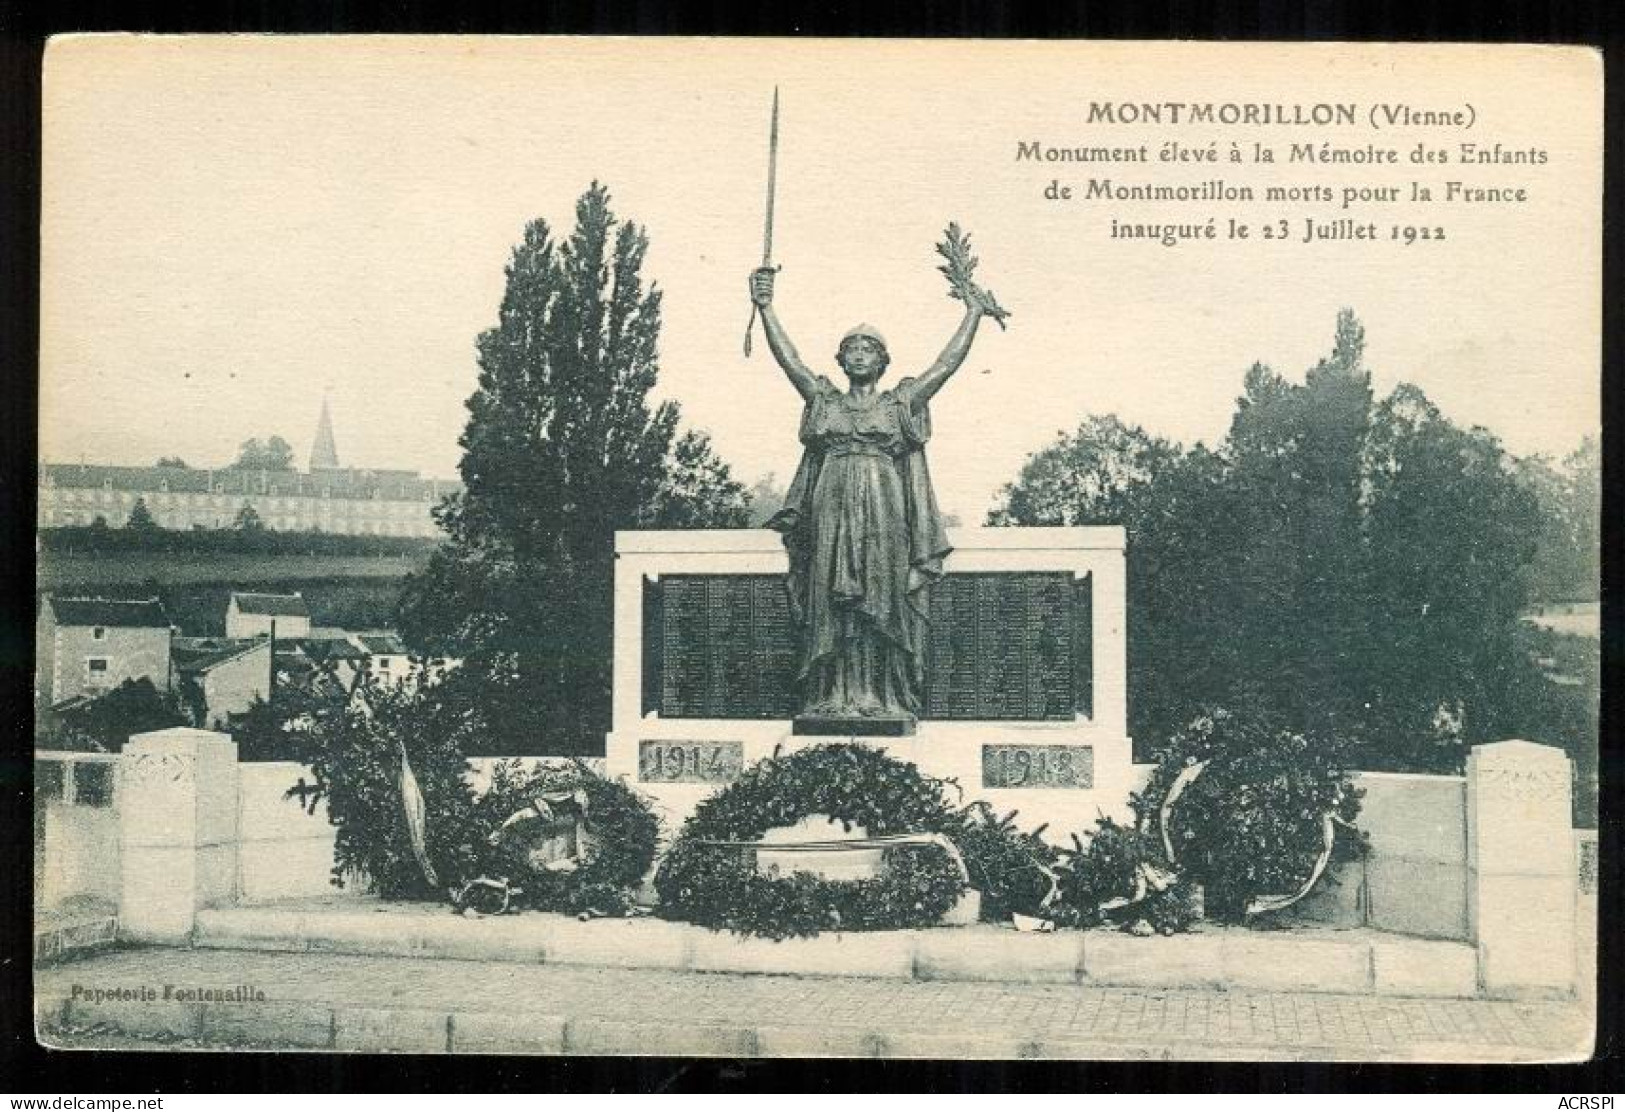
89,646
220,678
339,657
259,615
388,658
328,499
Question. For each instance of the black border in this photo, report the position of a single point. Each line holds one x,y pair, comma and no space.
23,29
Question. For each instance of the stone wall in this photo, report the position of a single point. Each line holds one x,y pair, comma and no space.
284,851
1488,858
82,855
1414,879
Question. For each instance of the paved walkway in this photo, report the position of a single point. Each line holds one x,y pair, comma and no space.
325,1000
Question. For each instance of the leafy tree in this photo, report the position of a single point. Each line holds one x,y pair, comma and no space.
1451,535
290,726
248,520
1177,510
698,490
1569,546
275,454
141,518
1295,465
173,461
1341,568
766,499
104,724
1094,476
563,446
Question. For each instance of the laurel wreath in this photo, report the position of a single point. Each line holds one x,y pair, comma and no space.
722,888
624,834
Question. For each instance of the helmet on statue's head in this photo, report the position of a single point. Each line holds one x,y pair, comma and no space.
864,332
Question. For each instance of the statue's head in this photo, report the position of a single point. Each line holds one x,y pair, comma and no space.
862,354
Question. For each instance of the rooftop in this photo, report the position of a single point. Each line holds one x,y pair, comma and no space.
387,643
276,606
201,655
126,613
338,482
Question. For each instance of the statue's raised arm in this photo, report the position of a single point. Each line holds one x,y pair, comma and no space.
958,268
778,341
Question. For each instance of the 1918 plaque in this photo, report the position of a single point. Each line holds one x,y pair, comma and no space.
1002,646
1038,766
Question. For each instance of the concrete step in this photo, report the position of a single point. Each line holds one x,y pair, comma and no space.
1348,962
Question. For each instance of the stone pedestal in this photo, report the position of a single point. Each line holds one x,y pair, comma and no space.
1521,880
1064,764
177,804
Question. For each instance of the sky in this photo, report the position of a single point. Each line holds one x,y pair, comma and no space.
236,227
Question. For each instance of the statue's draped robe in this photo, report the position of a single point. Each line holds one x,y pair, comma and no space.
866,541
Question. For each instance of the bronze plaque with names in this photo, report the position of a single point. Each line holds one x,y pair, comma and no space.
726,650
1002,647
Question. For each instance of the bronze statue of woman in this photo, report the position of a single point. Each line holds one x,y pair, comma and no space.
861,524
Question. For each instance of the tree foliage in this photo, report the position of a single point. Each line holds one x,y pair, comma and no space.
104,724
140,518
1568,550
563,447
766,499
248,520
274,454
1343,566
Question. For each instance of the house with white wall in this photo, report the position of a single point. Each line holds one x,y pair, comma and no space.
252,614
222,677
89,646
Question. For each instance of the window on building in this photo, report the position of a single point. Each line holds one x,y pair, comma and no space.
99,633
96,669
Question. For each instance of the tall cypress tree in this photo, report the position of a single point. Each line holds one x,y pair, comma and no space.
562,448
1297,454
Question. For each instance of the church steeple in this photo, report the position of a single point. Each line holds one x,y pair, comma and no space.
323,452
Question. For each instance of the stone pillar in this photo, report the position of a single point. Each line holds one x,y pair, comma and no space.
177,806
1521,882
1109,606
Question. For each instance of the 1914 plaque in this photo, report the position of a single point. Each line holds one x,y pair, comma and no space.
690,762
